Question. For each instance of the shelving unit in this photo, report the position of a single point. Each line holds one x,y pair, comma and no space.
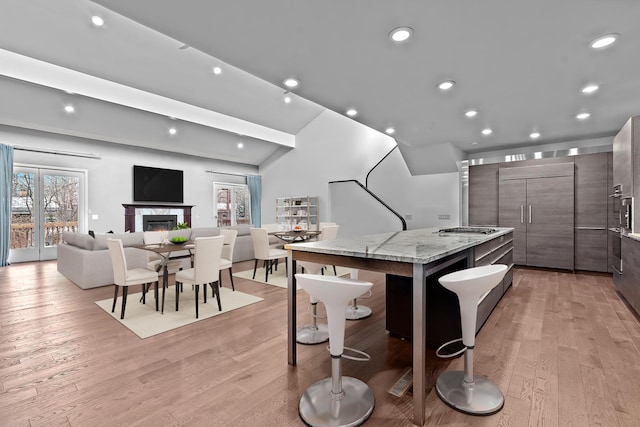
292,211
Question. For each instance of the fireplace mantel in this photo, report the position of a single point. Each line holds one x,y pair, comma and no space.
130,213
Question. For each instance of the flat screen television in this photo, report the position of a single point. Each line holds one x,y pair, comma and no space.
157,185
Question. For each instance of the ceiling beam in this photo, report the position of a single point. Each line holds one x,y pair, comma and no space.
32,70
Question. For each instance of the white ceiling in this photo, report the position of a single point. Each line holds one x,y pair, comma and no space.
520,64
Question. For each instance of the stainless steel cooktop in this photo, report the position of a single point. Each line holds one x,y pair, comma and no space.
474,230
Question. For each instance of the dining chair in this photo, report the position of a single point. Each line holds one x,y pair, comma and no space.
205,271
226,262
262,251
274,242
153,259
123,277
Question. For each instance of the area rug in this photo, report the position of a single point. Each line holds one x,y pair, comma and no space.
144,321
279,278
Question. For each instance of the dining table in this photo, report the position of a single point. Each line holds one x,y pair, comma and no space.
293,236
418,254
164,250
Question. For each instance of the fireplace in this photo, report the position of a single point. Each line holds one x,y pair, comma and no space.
134,214
159,222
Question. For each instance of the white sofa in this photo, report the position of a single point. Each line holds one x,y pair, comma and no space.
86,262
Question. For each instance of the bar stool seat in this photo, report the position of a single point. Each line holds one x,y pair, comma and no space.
337,401
354,310
462,390
315,333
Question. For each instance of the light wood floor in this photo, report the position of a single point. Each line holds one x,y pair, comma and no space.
563,348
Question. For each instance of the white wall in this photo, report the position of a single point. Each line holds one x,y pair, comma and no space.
334,147
110,178
422,200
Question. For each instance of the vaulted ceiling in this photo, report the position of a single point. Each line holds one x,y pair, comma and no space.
520,65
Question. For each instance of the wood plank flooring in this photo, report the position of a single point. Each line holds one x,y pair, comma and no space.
564,349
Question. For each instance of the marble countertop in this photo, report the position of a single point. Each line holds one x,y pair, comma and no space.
414,246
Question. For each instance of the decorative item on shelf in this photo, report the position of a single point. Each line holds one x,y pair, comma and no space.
291,211
181,226
297,229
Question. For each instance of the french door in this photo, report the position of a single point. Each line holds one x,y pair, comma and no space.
45,203
232,204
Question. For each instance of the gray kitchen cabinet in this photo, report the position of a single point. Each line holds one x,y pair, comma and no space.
613,217
483,200
491,200
628,283
538,202
592,190
592,212
592,250
512,205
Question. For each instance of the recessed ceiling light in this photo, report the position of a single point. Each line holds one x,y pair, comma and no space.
401,34
390,130
352,112
446,85
604,41
69,108
487,131
173,131
97,21
291,82
534,135
287,98
583,116
474,143
217,71
240,145
590,88
471,113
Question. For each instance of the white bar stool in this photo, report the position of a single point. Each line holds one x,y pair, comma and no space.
464,391
337,401
315,333
355,311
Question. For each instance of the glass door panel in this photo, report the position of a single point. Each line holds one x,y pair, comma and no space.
24,241
45,203
232,204
60,209
242,204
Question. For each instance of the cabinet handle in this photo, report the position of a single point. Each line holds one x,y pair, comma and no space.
530,218
521,214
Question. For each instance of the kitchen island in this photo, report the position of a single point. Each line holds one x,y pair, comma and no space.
417,254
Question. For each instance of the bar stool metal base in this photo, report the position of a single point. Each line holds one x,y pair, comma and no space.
482,398
358,312
308,334
318,408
